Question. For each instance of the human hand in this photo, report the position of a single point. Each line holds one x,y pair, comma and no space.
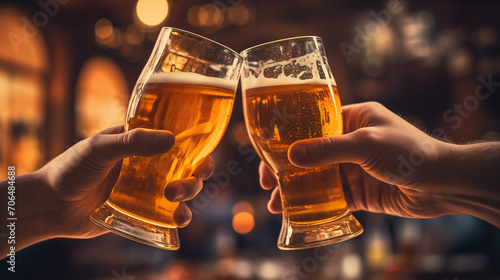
81,179
387,165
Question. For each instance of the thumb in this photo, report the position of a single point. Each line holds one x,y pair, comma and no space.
318,152
109,148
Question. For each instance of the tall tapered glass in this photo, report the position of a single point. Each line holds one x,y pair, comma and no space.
289,94
187,87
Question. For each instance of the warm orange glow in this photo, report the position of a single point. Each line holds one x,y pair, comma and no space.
134,36
116,38
243,222
239,15
101,96
28,156
21,45
242,206
209,18
204,14
239,134
152,12
106,34
192,15
103,28
22,92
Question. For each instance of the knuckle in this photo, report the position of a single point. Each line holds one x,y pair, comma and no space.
325,146
94,140
89,147
130,136
374,105
192,188
209,168
367,136
367,142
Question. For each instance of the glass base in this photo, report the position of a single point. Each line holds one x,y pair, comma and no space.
295,236
135,229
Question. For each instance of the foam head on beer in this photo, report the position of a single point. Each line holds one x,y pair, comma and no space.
298,71
189,78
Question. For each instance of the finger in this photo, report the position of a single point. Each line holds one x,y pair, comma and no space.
267,179
351,114
205,170
182,215
345,170
110,181
365,114
352,147
386,199
360,122
107,148
274,205
184,189
364,192
113,130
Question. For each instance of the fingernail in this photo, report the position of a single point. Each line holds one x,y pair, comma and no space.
181,193
163,141
298,153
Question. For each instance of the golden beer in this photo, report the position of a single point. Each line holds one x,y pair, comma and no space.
289,94
197,115
187,87
307,111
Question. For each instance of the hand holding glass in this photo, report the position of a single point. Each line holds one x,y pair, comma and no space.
187,87
289,94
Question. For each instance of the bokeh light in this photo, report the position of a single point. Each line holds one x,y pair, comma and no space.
209,18
212,17
242,206
243,222
192,15
421,59
269,269
101,96
134,36
103,28
106,35
239,15
152,12
351,266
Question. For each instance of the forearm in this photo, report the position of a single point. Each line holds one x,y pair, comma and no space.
29,219
474,180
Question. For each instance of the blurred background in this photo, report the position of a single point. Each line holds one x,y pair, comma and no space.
67,68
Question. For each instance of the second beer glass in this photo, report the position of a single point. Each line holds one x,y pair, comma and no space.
188,88
289,94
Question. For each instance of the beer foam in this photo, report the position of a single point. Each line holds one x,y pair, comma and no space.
252,82
190,78
311,68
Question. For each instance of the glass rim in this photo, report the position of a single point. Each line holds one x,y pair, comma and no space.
201,37
277,41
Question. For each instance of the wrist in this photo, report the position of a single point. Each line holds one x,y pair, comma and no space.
39,209
446,181
33,209
471,180
438,178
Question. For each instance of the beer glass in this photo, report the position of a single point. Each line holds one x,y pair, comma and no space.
289,94
187,87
